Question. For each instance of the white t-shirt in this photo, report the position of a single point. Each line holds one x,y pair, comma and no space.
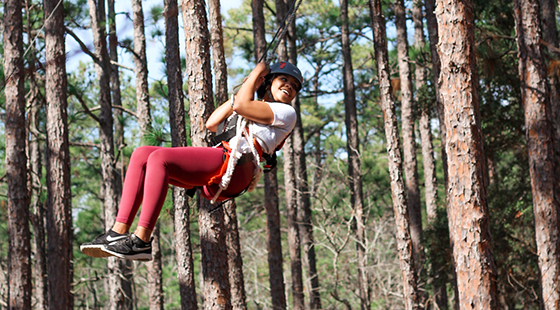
270,136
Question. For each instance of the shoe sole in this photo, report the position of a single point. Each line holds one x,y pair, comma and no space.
94,251
144,257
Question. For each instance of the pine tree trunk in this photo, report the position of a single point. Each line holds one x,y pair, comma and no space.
258,28
433,35
274,241
235,260
35,167
126,279
116,93
117,298
550,35
19,248
59,217
218,55
402,219
145,123
183,246
210,217
466,191
141,70
409,142
271,203
354,164
540,138
294,241
155,286
302,193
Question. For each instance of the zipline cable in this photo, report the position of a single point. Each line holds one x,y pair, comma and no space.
283,26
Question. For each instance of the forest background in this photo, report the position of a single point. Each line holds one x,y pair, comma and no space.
354,267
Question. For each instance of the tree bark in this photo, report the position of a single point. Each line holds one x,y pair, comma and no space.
126,279
35,167
155,279
404,242
258,28
274,238
433,35
274,241
181,211
294,241
19,244
353,149
550,35
302,193
409,143
141,70
145,123
235,260
59,217
117,298
210,217
466,192
218,54
540,145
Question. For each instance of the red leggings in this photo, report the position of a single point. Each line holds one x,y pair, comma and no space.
151,169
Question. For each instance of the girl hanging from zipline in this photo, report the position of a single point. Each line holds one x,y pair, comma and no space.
264,124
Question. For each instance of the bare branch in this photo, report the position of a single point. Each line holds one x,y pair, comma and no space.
84,47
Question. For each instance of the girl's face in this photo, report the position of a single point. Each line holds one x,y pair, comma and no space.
284,88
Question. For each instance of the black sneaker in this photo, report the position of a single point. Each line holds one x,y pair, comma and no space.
130,248
95,247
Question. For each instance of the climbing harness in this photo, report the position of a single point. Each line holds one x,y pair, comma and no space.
234,154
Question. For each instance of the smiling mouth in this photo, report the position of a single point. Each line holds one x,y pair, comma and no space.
285,92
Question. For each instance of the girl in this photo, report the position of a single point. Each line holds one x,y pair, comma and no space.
152,168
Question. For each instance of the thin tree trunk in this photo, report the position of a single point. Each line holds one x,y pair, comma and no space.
302,193
126,279
117,298
145,123
19,248
141,70
425,116
540,139
183,247
210,217
354,164
274,241
466,191
35,167
274,238
294,241
116,91
433,35
59,217
258,28
155,279
428,160
235,260
404,242
218,54
409,142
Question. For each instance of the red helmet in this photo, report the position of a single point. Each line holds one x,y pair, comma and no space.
282,67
